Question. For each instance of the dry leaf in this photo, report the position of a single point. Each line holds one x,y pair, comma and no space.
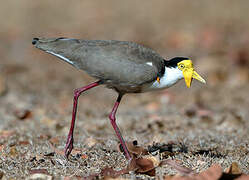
212,173
135,149
147,165
141,161
22,114
243,177
233,169
24,143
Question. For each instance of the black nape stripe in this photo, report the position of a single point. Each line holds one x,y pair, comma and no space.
174,61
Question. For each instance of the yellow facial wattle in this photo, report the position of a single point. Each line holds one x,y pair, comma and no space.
186,66
188,73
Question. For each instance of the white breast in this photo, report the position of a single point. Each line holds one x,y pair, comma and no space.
170,77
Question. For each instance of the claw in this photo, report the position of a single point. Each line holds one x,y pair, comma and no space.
69,146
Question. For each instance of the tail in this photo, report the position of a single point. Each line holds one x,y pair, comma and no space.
53,44
59,47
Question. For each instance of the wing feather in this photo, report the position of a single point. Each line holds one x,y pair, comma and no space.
114,62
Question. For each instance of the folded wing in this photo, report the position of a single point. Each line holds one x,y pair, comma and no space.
114,62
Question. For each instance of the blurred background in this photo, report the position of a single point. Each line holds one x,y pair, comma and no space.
36,89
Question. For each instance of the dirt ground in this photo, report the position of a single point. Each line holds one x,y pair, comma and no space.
205,125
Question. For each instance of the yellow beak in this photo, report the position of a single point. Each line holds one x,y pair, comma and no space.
189,74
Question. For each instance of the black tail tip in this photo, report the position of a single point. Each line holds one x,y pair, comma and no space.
34,41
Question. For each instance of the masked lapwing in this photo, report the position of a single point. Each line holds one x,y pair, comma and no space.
126,67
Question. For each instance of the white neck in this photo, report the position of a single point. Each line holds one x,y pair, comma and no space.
170,77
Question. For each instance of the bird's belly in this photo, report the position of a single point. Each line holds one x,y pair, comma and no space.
155,86
124,88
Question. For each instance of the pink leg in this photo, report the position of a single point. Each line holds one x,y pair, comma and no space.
115,127
77,93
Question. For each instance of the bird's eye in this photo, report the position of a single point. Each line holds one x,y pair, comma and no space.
181,66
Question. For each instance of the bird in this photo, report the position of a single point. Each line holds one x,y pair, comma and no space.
124,66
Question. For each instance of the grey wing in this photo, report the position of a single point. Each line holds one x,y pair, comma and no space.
114,62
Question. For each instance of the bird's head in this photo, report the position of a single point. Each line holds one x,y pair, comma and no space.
185,66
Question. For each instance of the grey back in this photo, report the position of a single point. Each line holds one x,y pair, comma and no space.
118,64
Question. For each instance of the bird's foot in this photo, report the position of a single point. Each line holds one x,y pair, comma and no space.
69,146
